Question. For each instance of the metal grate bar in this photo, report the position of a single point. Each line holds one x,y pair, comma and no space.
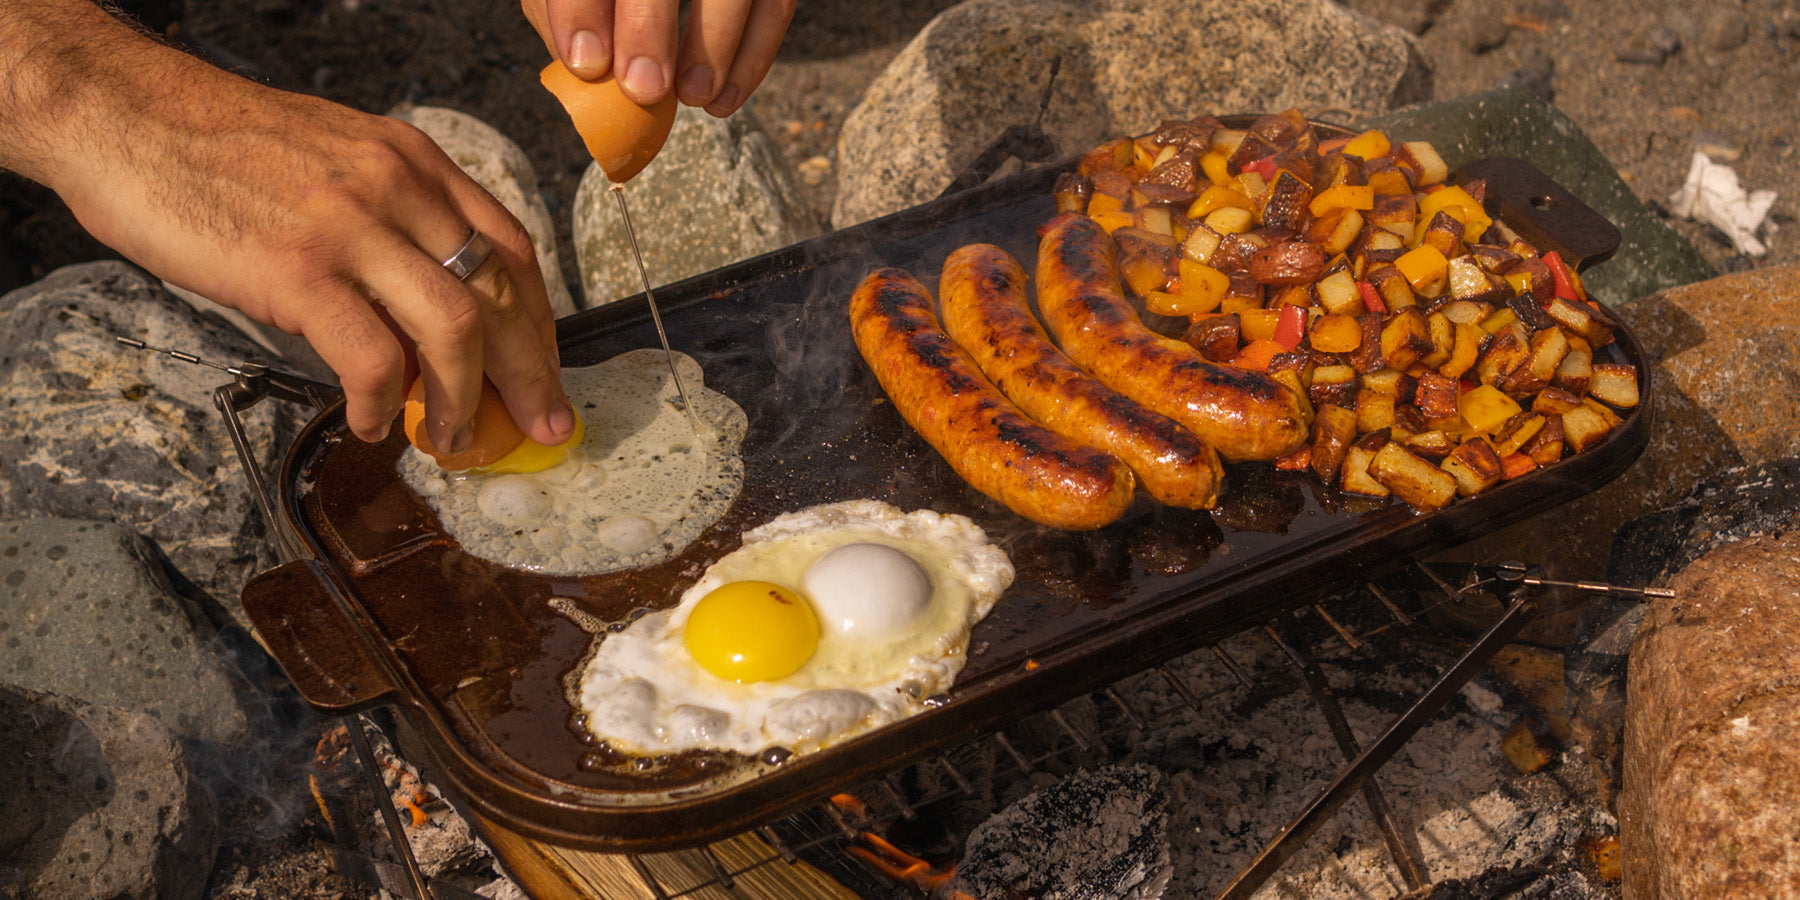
1392,607
898,799
1136,720
720,873
1081,740
1233,666
1179,687
1012,751
956,775
1350,640
774,840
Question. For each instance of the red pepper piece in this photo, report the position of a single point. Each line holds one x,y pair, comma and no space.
1291,327
1371,300
1559,274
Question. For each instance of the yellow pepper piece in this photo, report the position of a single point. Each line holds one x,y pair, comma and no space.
1214,165
1486,408
1422,266
1215,197
1370,144
1342,196
1459,204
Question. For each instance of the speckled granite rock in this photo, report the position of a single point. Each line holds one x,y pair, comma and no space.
1711,800
93,430
493,160
1651,257
1726,353
718,193
1739,503
97,802
90,615
1126,65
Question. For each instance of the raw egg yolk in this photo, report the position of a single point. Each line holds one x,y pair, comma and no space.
752,631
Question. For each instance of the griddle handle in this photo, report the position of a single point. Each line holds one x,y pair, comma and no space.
301,621
1543,212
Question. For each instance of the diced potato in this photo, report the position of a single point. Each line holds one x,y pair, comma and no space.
1227,140
1547,349
1338,295
1576,373
1466,312
1432,443
1294,380
1443,233
1155,219
1333,385
1405,339
1200,244
1111,156
1464,351
1337,233
1436,395
1431,166
1554,401
1443,339
1384,381
1486,408
1587,425
1615,383
1387,178
1517,431
1502,355
1392,287
1581,319
1353,474
1412,478
1546,447
1516,465
1367,356
1374,411
1469,281
1334,428
1394,213
1474,465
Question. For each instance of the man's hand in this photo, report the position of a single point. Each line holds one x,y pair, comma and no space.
725,50
317,219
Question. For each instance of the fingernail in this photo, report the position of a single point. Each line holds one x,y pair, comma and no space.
697,83
587,56
461,440
727,102
643,78
562,420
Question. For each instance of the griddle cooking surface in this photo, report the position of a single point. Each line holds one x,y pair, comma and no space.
479,659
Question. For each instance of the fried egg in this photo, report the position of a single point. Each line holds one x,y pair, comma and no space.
825,623
640,485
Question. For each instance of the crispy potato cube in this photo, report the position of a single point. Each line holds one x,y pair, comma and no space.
1442,232
1547,349
1405,339
1385,381
1546,447
1469,281
1504,353
1436,395
1474,465
1387,178
1154,219
1425,159
1335,333
1466,312
1338,295
1334,428
1576,373
1333,385
1529,745
1516,465
1374,411
1432,443
1615,383
1146,259
1342,233
1574,315
1587,425
1392,286
1353,474
1554,401
1443,339
1367,356
1200,243
1285,205
1394,213
1486,408
1516,432
1412,478
1465,349
1111,156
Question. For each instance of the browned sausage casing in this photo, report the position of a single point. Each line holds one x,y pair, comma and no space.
995,447
983,296
1243,414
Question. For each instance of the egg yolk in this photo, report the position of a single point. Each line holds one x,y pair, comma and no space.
752,631
531,456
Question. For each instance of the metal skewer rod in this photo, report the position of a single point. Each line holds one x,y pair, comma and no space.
618,191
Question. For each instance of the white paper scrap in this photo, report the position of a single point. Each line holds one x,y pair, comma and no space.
1712,195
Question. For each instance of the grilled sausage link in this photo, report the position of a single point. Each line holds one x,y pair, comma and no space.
997,449
1243,414
983,297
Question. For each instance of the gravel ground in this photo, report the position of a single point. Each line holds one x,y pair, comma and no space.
1717,75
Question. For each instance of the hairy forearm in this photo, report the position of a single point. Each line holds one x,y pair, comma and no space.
76,78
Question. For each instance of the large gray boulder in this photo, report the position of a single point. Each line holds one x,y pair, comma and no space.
93,430
1126,66
91,616
719,192
97,803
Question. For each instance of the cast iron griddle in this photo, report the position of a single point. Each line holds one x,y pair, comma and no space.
391,611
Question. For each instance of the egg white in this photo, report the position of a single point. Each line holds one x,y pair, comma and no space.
643,693
640,487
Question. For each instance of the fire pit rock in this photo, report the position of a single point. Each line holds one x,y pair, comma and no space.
90,615
93,430
97,801
719,192
1711,803
1096,835
981,66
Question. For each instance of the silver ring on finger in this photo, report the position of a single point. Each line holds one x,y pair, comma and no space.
469,256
